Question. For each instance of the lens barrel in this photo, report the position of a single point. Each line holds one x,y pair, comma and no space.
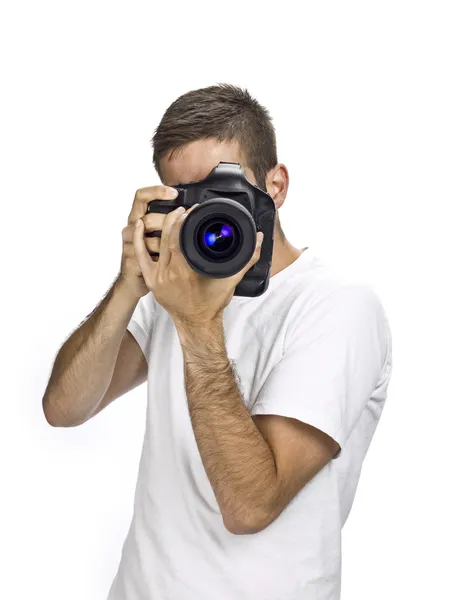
218,238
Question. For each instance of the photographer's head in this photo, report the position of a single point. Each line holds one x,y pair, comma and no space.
219,123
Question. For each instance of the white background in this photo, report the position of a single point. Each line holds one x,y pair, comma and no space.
359,96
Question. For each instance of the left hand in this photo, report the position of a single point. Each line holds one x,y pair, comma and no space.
188,296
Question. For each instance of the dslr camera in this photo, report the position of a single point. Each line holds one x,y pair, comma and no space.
219,237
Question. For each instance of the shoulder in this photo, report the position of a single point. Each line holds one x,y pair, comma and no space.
323,285
339,307
346,300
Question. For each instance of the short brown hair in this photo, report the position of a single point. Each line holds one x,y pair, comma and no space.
225,112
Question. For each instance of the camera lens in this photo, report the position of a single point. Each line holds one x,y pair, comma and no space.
218,238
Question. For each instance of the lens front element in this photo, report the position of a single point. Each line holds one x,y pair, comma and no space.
218,238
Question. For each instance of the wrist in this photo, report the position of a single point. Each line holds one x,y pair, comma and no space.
201,334
125,290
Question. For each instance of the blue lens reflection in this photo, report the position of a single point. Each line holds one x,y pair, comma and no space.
210,239
218,235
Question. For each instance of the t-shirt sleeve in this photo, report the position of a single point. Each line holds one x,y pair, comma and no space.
141,322
333,360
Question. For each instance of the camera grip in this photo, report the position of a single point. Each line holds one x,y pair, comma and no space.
163,206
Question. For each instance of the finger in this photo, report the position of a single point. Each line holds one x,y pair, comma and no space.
153,222
164,252
173,238
153,245
256,254
147,194
146,265
173,241
128,238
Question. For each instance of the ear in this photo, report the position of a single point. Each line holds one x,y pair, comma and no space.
277,182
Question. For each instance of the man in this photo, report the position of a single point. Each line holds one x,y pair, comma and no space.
260,410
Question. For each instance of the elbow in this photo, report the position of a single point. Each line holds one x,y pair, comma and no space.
234,528
246,527
52,417
48,414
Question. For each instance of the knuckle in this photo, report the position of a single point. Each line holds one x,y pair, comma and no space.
173,216
147,220
127,233
153,221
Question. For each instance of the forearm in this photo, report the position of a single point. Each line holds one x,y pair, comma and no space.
84,365
239,463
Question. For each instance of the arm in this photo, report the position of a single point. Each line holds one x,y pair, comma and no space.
98,363
101,360
256,465
324,380
238,461
130,371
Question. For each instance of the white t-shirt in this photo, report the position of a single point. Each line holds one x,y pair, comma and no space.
315,346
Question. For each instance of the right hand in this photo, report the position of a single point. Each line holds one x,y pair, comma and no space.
130,272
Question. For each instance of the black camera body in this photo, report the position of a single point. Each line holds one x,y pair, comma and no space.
218,238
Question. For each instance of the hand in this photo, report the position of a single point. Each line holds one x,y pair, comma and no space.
189,297
130,271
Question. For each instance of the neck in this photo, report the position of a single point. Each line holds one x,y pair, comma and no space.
284,253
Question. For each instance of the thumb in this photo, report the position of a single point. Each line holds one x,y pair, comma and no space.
256,254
